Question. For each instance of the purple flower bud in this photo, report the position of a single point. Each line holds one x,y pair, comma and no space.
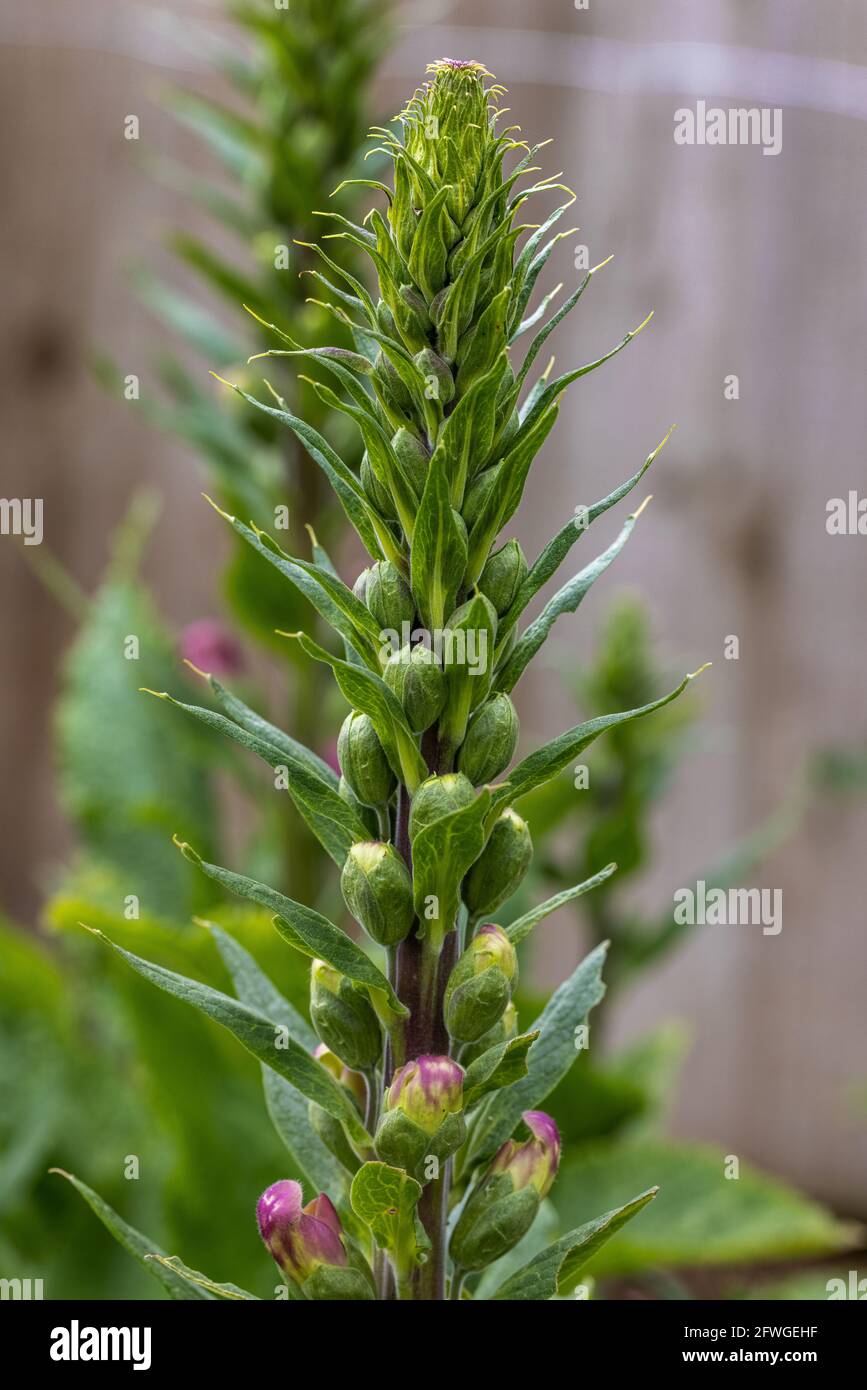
427,1091
533,1163
209,646
299,1238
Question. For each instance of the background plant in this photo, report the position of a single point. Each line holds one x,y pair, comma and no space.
72,1036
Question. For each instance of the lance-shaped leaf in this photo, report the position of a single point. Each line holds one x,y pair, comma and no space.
305,929
504,498
286,1106
566,600
195,1279
335,824
441,854
328,594
557,1270
553,390
438,556
267,1040
282,743
548,1060
546,762
468,433
520,929
385,1199
544,333
367,692
500,1066
347,488
139,1246
559,546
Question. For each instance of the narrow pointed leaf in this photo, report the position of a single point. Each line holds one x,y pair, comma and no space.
520,929
266,1039
196,1279
500,1066
139,1246
286,1106
557,1270
442,854
438,555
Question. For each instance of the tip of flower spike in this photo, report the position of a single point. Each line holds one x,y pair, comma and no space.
458,65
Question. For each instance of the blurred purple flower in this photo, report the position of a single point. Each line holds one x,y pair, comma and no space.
211,647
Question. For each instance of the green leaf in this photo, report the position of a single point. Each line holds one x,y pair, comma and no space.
266,1039
347,488
500,1066
308,931
550,1057
557,1270
198,1280
559,546
385,1199
700,1218
281,742
329,595
367,692
138,1245
566,600
520,929
286,1106
438,555
335,824
442,854
547,761
468,433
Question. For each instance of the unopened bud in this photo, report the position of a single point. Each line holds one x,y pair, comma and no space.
413,457
363,761
307,1244
437,797
503,575
492,737
503,1207
377,890
480,985
344,1018
505,1028
327,1126
378,494
431,365
422,1117
415,676
500,867
393,388
388,596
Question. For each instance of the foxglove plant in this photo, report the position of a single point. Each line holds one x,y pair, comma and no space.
411,1112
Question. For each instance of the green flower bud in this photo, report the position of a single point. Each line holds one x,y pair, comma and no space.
379,495
505,1028
437,797
500,867
415,676
492,737
422,1117
329,1129
478,492
389,597
344,1018
362,760
503,1207
377,889
413,457
359,588
393,388
503,575
480,985
417,307
440,384
366,813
